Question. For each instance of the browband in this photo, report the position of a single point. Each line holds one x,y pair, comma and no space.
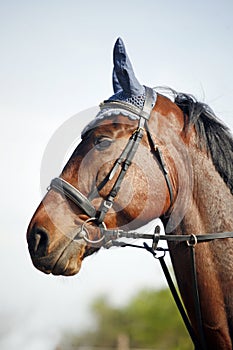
140,112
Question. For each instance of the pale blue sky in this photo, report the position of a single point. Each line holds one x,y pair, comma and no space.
56,60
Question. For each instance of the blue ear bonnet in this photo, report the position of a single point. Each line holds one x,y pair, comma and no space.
125,84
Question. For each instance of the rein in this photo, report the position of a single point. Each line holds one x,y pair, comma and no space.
109,236
191,241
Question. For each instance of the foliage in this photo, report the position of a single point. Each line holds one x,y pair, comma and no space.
150,320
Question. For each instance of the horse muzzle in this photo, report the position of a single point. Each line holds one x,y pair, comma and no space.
61,257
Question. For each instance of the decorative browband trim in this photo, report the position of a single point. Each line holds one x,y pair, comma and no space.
142,113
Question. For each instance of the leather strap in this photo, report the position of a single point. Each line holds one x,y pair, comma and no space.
75,195
134,143
163,167
200,238
191,239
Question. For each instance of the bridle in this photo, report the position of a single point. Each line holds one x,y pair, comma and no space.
109,236
123,162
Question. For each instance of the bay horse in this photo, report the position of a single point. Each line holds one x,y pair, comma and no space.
145,156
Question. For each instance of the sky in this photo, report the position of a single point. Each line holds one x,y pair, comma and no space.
56,61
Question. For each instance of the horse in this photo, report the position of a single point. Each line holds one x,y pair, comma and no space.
148,153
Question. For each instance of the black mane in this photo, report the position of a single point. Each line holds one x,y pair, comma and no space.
212,134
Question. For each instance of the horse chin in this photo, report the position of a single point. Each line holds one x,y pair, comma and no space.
66,262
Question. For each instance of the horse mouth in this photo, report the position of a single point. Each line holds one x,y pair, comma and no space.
69,262
66,262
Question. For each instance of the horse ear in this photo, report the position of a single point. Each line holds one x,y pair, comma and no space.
123,71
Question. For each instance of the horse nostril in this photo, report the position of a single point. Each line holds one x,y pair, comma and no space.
38,241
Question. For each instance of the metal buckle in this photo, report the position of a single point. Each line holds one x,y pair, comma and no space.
107,205
140,128
192,241
156,237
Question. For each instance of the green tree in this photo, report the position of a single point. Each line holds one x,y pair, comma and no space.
150,320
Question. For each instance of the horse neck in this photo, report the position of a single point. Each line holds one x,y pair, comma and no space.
211,208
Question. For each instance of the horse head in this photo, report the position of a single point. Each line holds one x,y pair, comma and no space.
143,157
124,174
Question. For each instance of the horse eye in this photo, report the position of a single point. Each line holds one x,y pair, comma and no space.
102,143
